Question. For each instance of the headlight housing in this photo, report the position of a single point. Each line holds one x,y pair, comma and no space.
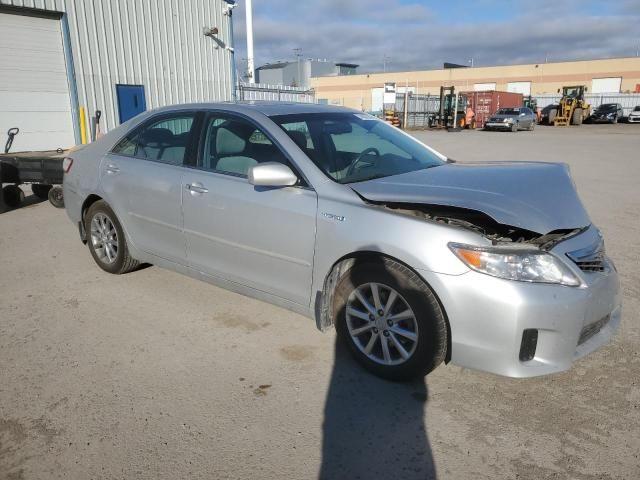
507,120
522,265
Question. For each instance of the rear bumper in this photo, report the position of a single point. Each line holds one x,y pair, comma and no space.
488,318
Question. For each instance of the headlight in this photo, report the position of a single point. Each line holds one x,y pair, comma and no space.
507,120
514,264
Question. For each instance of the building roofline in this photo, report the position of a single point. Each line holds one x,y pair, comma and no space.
487,66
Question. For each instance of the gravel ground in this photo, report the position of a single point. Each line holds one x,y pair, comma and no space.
155,375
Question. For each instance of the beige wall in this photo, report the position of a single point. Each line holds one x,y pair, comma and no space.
355,90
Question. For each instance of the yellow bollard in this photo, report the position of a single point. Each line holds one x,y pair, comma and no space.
83,126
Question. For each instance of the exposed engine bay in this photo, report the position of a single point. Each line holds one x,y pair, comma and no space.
483,224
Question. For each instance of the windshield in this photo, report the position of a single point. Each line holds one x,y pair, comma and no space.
353,147
571,92
508,111
636,109
607,106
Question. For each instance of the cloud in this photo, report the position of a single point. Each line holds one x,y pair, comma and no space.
412,36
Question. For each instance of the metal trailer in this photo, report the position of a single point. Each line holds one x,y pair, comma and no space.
42,170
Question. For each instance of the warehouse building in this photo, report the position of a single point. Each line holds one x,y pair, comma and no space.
63,60
364,91
299,73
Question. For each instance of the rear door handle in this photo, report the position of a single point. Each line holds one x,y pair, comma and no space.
112,169
195,188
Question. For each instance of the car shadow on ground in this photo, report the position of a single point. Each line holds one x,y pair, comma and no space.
374,428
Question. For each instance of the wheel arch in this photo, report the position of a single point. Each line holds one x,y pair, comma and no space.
90,200
339,268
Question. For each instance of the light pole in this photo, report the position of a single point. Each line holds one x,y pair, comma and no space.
249,20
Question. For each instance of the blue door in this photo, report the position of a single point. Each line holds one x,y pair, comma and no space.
131,101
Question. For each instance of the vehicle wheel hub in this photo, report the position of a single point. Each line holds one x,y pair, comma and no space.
381,324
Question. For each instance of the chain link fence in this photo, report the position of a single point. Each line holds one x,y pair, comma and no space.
274,93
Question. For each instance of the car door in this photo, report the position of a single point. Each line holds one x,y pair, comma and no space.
258,237
142,181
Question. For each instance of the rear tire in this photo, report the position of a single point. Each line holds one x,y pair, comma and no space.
106,240
13,195
56,197
422,342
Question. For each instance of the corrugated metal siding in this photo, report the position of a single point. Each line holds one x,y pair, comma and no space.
155,43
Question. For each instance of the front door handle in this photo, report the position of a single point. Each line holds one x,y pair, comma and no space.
196,188
112,169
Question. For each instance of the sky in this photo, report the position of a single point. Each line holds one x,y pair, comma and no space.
411,34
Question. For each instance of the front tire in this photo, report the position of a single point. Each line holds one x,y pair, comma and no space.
390,319
514,127
106,240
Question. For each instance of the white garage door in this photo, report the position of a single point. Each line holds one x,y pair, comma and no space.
606,85
482,87
377,99
519,87
34,90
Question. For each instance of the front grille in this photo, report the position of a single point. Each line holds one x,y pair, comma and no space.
592,329
591,259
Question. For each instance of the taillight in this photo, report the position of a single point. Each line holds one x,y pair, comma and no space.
66,164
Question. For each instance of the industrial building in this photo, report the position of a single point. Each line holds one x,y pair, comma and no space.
364,91
63,60
299,73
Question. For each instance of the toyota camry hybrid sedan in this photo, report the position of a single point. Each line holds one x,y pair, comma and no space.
332,213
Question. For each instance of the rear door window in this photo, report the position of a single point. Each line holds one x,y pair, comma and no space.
164,140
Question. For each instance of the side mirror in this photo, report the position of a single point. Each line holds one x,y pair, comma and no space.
558,90
271,174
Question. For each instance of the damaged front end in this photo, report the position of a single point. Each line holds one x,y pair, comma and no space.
482,223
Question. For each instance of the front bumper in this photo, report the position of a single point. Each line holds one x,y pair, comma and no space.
498,125
633,119
488,317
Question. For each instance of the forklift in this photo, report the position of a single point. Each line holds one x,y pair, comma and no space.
573,108
452,113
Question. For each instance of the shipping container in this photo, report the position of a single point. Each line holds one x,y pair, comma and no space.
486,103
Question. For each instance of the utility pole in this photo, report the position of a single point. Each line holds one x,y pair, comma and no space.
249,20
298,53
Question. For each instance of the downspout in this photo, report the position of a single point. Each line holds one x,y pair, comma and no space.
71,77
234,88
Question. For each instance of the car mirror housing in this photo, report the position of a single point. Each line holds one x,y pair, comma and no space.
272,174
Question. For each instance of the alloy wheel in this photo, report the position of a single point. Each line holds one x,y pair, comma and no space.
104,238
381,324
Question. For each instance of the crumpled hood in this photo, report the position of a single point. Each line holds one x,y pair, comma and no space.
539,197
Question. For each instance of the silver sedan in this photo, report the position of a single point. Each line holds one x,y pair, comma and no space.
513,119
415,259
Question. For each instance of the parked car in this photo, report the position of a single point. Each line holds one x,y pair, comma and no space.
512,119
634,116
548,114
336,215
607,112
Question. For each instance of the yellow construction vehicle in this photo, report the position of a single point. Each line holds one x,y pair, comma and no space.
573,108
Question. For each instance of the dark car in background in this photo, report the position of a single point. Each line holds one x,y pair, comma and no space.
607,112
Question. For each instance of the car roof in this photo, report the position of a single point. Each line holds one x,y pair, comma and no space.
264,107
